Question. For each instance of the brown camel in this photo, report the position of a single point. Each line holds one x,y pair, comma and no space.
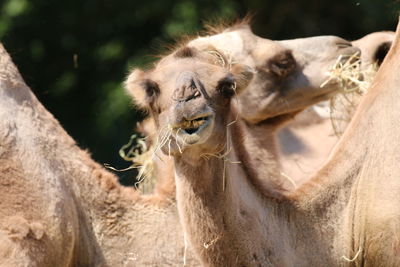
346,215
59,208
306,142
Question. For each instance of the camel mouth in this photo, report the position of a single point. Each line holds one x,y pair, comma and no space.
346,72
191,131
193,126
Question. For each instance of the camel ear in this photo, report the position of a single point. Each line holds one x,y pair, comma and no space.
141,89
243,75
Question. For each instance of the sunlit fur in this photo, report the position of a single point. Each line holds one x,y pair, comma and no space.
347,215
306,142
60,208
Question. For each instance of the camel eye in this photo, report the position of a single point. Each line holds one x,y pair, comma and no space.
226,86
282,64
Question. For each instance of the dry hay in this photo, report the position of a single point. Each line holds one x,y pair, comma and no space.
141,155
354,82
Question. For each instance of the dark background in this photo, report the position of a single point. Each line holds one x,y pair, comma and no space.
75,54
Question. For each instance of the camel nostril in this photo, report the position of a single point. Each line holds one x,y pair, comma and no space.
190,97
343,44
351,52
188,87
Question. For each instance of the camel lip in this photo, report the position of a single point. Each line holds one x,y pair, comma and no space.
191,131
195,125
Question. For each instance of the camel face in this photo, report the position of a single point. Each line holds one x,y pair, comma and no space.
290,74
191,117
189,97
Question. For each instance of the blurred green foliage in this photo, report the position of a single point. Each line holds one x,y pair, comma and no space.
75,54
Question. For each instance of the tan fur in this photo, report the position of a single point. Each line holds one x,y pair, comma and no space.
60,208
348,215
279,67
93,222
69,208
306,142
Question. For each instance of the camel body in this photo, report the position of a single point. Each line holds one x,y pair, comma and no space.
60,208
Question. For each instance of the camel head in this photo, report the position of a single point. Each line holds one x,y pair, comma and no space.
188,95
289,75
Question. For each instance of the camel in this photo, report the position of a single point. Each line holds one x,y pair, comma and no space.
345,215
60,208
306,141
284,83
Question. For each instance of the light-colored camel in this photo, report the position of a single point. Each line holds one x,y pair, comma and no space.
346,215
59,208
288,75
306,142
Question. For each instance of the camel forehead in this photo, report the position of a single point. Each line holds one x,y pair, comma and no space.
371,41
312,43
314,50
381,36
168,76
202,70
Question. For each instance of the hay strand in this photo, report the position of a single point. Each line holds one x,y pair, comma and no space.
140,154
354,82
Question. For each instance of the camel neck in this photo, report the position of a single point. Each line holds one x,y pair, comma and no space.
257,152
208,208
229,219
217,200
